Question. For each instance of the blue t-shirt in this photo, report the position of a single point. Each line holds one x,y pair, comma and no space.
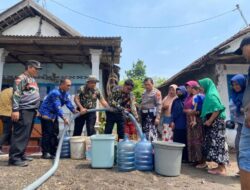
198,99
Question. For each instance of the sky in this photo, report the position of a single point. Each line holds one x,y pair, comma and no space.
164,51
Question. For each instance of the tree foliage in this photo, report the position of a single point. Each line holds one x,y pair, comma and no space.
138,71
159,80
138,89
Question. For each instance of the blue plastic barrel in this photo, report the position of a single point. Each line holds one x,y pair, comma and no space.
126,155
65,152
144,155
102,150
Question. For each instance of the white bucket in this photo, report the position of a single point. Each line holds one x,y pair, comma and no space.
77,147
168,158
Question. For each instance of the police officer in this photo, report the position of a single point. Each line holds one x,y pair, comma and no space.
26,99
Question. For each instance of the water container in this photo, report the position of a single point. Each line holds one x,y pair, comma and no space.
126,155
102,151
168,158
88,148
65,152
77,147
144,155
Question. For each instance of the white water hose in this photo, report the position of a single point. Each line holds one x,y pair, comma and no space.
54,167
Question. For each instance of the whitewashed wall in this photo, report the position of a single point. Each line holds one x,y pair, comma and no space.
30,26
223,70
76,72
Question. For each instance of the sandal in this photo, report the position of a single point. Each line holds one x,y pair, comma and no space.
216,172
201,166
237,174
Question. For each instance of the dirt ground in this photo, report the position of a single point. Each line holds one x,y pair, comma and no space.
78,175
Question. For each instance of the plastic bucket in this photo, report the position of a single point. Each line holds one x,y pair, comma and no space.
168,157
102,151
77,147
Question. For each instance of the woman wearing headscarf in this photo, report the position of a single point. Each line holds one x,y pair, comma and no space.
213,115
238,83
179,120
195,134
167,132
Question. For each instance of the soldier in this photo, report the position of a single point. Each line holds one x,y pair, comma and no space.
26,100
121,98
85,99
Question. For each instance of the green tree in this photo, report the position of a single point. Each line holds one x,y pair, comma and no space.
138,89
138,71
159,80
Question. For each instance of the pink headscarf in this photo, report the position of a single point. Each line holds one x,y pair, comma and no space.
192,83
189,100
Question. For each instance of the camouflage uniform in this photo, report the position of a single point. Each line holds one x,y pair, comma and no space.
119,99
26,100
88,99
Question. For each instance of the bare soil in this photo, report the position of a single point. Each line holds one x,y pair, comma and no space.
78,175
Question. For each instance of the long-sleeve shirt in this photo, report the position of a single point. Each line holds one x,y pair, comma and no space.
177,114
25,93
152,99
6,102
125,100
52,105
235,116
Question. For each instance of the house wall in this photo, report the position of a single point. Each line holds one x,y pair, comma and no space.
225,71
49,77
195,74
30,26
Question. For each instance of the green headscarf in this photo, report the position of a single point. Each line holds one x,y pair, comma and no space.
212,101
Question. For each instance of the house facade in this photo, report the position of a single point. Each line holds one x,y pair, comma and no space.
28,31
220,64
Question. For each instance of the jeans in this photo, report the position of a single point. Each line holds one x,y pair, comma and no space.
244,154
90,119
237,141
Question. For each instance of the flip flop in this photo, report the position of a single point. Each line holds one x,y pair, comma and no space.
237,174
216,172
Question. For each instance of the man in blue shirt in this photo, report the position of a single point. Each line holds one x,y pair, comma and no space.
50,110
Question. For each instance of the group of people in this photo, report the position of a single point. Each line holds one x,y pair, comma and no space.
192,114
